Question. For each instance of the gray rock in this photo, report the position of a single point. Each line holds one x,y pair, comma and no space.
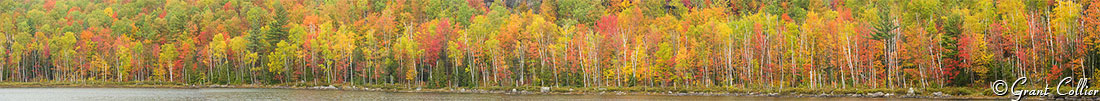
911,92
938,94
876,94
545,89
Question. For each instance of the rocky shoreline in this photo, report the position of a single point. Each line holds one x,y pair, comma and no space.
545,91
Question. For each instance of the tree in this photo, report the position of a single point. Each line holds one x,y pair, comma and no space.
167,62
238,48
957,54
1013,19
122,60
280,59
432,41
576,11
454,10
769,45
1091,24
885,31
1091,34
408,52
456,51
1065,17
63,47
215,54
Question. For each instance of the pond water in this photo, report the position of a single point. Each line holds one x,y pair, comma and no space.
238,94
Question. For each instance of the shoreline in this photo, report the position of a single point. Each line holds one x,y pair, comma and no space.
647,91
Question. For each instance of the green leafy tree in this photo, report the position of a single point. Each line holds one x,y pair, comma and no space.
167,62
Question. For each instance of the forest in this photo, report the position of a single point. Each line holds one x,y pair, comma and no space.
753,44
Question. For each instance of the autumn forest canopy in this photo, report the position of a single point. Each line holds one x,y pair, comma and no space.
753,44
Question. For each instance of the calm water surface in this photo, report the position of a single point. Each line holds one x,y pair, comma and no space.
238,94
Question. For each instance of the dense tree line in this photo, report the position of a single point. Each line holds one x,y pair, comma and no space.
582,43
